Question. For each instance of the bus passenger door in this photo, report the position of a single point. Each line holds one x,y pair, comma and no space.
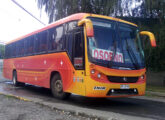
78,51
78,62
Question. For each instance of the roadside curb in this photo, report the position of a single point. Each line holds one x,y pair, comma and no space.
78,112
93,114
73,112
17,97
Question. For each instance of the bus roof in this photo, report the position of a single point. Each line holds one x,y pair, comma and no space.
77,16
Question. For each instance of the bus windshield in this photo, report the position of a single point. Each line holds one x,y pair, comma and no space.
115,45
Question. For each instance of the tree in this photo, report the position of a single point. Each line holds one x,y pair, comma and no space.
57,9
2,51
154,8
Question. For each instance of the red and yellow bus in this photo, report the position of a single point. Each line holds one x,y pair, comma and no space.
84,54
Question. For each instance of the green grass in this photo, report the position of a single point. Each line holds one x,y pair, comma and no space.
149,94
155,88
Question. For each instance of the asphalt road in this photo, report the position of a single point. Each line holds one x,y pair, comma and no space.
118,108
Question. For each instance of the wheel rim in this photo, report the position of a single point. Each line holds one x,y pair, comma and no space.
58,86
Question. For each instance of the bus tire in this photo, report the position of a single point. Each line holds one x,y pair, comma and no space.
57,88
14,79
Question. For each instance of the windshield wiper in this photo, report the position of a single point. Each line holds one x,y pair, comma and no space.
132,56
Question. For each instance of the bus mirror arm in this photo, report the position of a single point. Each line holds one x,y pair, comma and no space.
151,37
88,26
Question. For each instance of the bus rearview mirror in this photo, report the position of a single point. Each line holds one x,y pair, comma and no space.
151,37
88,25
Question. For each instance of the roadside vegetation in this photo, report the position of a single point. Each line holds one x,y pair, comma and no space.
2,51
155,89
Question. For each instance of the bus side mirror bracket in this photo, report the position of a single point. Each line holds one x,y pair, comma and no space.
151,37
88,26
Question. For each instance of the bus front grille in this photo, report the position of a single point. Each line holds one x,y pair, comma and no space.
115,79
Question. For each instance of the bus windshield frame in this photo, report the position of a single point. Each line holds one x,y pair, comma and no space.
115,45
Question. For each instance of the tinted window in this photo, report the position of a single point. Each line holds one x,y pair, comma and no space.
36,43
25,46
59,38
71,25
20,48
30,45
51,39
78,51
69,41
13,50
132,49
78,45
56,39
8,51
43,41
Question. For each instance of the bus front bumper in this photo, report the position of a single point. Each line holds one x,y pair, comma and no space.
99,89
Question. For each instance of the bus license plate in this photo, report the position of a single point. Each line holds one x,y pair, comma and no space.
124,86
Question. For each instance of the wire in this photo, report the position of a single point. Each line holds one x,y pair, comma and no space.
27,12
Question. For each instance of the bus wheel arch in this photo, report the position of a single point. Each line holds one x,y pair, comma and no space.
56,86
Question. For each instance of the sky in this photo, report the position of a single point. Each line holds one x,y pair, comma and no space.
14,22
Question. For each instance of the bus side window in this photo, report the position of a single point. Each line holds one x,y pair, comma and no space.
69,44
43,41
71,25
59,38
56,39
9,51
30,45
25,46
13,51
36,44
18,48
22,48
6,51
78,45
51,39
78,51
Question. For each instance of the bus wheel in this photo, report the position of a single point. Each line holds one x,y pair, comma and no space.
57,88
15,83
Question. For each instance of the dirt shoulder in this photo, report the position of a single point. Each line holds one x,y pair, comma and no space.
12,108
